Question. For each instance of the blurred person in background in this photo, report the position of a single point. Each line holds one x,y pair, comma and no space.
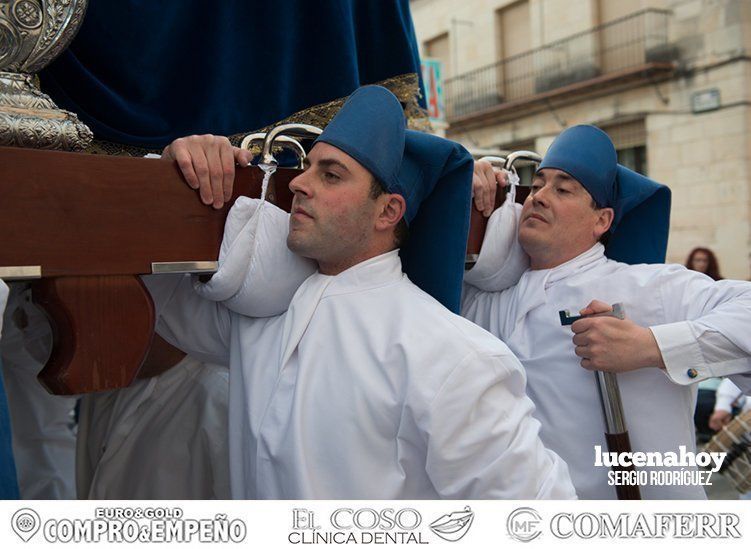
703,260
729,398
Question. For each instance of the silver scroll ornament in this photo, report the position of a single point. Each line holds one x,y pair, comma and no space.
32,34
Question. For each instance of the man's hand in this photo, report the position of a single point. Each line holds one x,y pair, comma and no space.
719,419
485,181
613,345
208,164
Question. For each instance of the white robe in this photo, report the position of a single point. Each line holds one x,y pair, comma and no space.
366,388
3,301
161,438
698,324
44,443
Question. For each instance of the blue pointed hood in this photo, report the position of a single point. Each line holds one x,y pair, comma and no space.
639,233
434,176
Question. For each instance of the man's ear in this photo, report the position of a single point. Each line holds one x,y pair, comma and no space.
392,209
605,218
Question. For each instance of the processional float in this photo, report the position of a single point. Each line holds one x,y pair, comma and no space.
84,227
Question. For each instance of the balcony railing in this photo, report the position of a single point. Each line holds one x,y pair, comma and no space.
634,41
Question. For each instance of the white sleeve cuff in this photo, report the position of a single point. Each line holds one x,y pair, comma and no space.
684,362
743,381
723,401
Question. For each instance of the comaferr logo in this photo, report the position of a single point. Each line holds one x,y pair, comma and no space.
641,525
524,524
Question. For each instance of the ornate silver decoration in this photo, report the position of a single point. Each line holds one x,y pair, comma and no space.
27,14
32,34
10,43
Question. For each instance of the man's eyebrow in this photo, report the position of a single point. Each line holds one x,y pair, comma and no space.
563,177
329,162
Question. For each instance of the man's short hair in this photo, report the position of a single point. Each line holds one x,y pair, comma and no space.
401,232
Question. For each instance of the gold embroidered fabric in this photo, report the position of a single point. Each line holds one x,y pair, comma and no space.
99,146
405,87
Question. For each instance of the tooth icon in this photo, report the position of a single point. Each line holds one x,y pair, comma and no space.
453,526
25,523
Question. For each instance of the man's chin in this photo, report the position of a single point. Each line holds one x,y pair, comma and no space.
295,245
298,247
530,240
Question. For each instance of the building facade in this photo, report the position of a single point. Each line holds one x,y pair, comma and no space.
667,79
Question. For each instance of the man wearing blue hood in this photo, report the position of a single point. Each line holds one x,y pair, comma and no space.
368,387
596,234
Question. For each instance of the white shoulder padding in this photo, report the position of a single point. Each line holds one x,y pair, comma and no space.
502,261
258,274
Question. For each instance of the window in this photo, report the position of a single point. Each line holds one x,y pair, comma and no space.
634,158
513,38
619,47
630,140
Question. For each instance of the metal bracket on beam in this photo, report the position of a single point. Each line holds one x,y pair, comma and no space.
176,267
27,272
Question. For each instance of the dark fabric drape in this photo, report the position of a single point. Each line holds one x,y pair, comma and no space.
144,72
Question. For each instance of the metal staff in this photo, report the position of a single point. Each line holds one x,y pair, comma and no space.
616,432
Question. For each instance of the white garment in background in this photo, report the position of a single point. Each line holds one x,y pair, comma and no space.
43,441
3,301
366,388
728,394
161,438
698,323
743,382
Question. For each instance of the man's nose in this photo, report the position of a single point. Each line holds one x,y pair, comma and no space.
540,197
301,184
